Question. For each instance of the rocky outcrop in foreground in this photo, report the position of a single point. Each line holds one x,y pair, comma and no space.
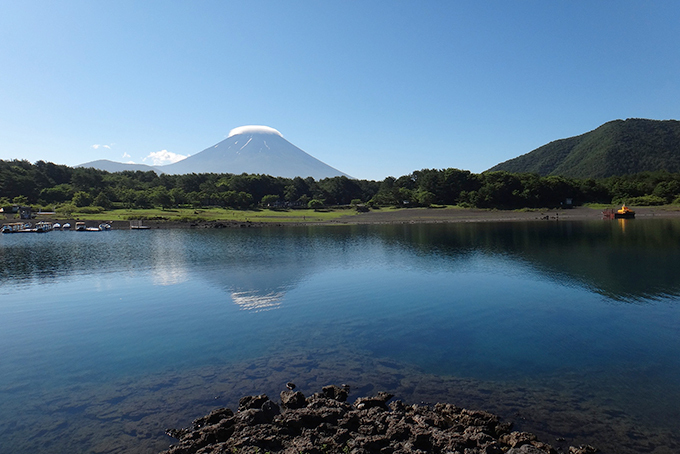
326,423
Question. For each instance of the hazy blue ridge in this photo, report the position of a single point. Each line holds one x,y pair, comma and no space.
112,166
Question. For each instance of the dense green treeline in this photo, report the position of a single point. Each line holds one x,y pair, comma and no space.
50,185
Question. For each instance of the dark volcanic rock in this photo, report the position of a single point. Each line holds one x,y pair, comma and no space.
292,399
252,402
378,401
325,423
335,392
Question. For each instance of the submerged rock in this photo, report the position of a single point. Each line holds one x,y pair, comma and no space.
326,423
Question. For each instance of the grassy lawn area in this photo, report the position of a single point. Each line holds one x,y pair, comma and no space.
217,214
600,206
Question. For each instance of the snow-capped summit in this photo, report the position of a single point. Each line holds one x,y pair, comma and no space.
254,149
253,129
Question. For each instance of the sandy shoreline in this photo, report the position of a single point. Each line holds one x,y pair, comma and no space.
406,216
446,215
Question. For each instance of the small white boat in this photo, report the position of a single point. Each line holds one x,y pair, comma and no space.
14,227
25,227
100,228
81,227
66,226
43,227
56,226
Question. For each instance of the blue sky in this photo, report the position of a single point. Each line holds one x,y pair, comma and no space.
371,88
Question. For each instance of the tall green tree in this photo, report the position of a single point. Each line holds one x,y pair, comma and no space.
81,199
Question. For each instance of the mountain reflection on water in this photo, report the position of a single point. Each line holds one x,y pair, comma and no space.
627,260
622,259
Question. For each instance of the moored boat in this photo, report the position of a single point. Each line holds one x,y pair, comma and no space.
14,227
25,227
43,227
624,213
81,227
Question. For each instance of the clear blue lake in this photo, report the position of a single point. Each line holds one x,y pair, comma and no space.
570,330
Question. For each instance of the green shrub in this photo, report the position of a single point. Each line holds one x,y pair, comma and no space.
315,204
66,209
642,201
269,199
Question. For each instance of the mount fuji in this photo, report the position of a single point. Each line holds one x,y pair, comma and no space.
254,149
249,149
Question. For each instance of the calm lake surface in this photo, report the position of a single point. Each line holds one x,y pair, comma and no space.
569,329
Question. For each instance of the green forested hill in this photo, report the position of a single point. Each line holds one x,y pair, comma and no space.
619,147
